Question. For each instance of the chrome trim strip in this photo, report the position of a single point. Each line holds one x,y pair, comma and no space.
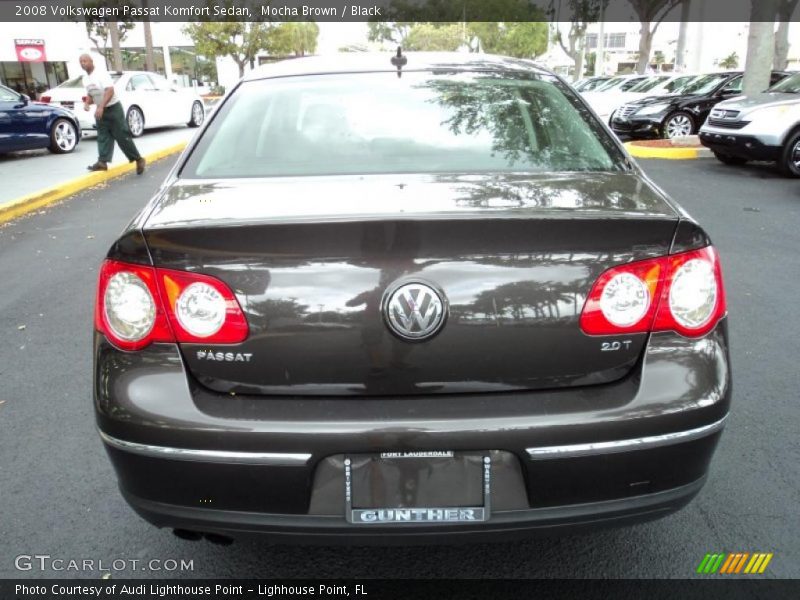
642,443
274,459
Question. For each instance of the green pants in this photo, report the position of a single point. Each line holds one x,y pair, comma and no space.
113,126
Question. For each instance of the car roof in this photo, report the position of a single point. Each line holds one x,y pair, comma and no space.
365,62
123,73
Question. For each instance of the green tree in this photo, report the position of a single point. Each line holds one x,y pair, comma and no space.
591,60
785,10
729,62
522,40
297,38
241,41
582,12
102,32
434,37
760,45
476,19
651,13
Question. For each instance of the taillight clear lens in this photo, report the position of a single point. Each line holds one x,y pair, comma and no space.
130,309
201,309
625,300
693,293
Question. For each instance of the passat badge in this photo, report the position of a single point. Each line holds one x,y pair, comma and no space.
414,311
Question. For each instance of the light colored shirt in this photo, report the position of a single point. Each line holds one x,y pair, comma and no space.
96,84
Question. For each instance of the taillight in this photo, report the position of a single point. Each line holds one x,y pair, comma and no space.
45,99
693,299
202,308
128,309
138,305
682,292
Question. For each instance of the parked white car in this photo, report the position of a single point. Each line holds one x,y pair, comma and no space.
605,103
619,83
148,99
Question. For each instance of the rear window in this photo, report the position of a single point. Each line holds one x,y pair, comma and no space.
648,84
705,84
790,85
417,123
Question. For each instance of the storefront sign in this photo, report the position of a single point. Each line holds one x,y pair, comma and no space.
30,50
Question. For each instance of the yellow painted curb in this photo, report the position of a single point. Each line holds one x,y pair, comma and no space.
21,206
668,153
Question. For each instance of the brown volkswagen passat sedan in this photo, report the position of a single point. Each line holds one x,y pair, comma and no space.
421,298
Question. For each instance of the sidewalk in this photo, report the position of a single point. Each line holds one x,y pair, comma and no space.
25,173
34,180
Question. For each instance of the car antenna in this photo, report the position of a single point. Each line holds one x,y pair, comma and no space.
399,61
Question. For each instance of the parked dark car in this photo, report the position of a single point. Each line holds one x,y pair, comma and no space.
411,299
27,125
683,114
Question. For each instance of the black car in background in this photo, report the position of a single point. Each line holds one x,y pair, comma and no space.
422,298
28,125
682,114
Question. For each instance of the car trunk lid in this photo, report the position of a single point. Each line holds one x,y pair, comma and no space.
312,260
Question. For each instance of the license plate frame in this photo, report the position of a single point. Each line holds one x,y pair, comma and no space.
421,515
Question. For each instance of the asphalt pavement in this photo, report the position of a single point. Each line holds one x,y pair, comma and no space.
59,495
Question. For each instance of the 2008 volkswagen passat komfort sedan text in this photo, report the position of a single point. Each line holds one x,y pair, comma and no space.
423,296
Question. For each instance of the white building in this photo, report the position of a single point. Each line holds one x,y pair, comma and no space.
707,44
37,56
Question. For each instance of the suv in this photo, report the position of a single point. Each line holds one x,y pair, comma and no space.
761,127
680,115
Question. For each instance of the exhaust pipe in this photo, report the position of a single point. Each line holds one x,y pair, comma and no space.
193,536
186,534
219,540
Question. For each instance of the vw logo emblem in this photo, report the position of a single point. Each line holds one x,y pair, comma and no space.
414,311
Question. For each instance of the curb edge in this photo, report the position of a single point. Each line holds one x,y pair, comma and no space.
18,207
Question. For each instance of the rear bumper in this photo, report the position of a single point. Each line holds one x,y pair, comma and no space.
610,454
741,146
329,529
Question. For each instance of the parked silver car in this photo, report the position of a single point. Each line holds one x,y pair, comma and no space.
760,127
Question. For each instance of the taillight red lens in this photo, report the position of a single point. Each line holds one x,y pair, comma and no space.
45,99
682,292
138,305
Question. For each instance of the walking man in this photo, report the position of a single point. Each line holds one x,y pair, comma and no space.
111,123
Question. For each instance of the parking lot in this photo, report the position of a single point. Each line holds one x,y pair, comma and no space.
59,492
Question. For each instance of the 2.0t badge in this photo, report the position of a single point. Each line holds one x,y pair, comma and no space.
415,311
